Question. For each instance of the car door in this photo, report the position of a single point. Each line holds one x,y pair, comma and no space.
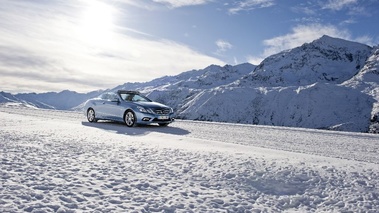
113,107
100,106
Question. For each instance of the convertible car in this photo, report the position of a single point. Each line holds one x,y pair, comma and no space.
129,107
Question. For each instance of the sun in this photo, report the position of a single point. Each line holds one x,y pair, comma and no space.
96,23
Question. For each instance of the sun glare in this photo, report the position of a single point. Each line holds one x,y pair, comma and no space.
96,23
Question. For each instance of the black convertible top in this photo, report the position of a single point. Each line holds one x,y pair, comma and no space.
127,92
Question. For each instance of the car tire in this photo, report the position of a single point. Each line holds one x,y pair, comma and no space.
91,116
130,118
163,124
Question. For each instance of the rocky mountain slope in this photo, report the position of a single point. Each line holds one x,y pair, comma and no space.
326,60
301,87
367,82
329,83
176,91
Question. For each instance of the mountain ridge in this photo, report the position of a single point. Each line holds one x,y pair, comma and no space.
310,63
329,83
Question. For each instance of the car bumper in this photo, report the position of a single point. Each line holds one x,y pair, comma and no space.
146,118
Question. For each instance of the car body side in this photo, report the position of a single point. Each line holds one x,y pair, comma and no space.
111,106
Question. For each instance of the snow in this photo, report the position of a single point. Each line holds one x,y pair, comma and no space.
311,86
321,106
325,60
367,81
55,161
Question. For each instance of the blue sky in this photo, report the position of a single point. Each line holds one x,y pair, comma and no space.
85,45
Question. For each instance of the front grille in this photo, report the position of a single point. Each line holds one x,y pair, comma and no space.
156,119
162,111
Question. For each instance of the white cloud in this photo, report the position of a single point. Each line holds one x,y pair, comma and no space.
223,45
300,34
235,60
182,3
338,4
353,7
369,40
43,45
250,5
304,9
348,21
254,60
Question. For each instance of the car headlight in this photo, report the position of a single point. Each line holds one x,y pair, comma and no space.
141,109
145,110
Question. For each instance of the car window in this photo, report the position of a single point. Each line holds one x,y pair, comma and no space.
135,97
112,96
108,96
127,96
139,98
104,96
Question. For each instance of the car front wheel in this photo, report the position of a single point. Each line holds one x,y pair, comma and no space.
130,119
91,117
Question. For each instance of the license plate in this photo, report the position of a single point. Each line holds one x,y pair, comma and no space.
163,117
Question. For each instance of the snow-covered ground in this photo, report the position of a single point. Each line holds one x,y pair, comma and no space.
55,161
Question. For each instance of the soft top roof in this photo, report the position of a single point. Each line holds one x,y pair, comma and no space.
127,92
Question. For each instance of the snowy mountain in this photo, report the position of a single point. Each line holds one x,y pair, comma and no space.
7,97
329,83
322,106
13,100
326,60
301,87
209,77
367,81
62,101
176,91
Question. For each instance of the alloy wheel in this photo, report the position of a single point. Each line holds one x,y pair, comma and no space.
130,119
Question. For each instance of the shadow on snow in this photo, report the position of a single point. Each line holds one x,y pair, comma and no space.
121,128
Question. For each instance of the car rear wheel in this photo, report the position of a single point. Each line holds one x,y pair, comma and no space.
91,117
130,119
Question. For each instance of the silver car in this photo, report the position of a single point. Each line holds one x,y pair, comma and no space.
130,107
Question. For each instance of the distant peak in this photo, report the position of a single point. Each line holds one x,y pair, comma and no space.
328,41
212,66
326,37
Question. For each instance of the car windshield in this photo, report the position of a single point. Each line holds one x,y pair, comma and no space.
134,97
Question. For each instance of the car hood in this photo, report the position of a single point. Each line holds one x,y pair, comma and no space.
151,105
